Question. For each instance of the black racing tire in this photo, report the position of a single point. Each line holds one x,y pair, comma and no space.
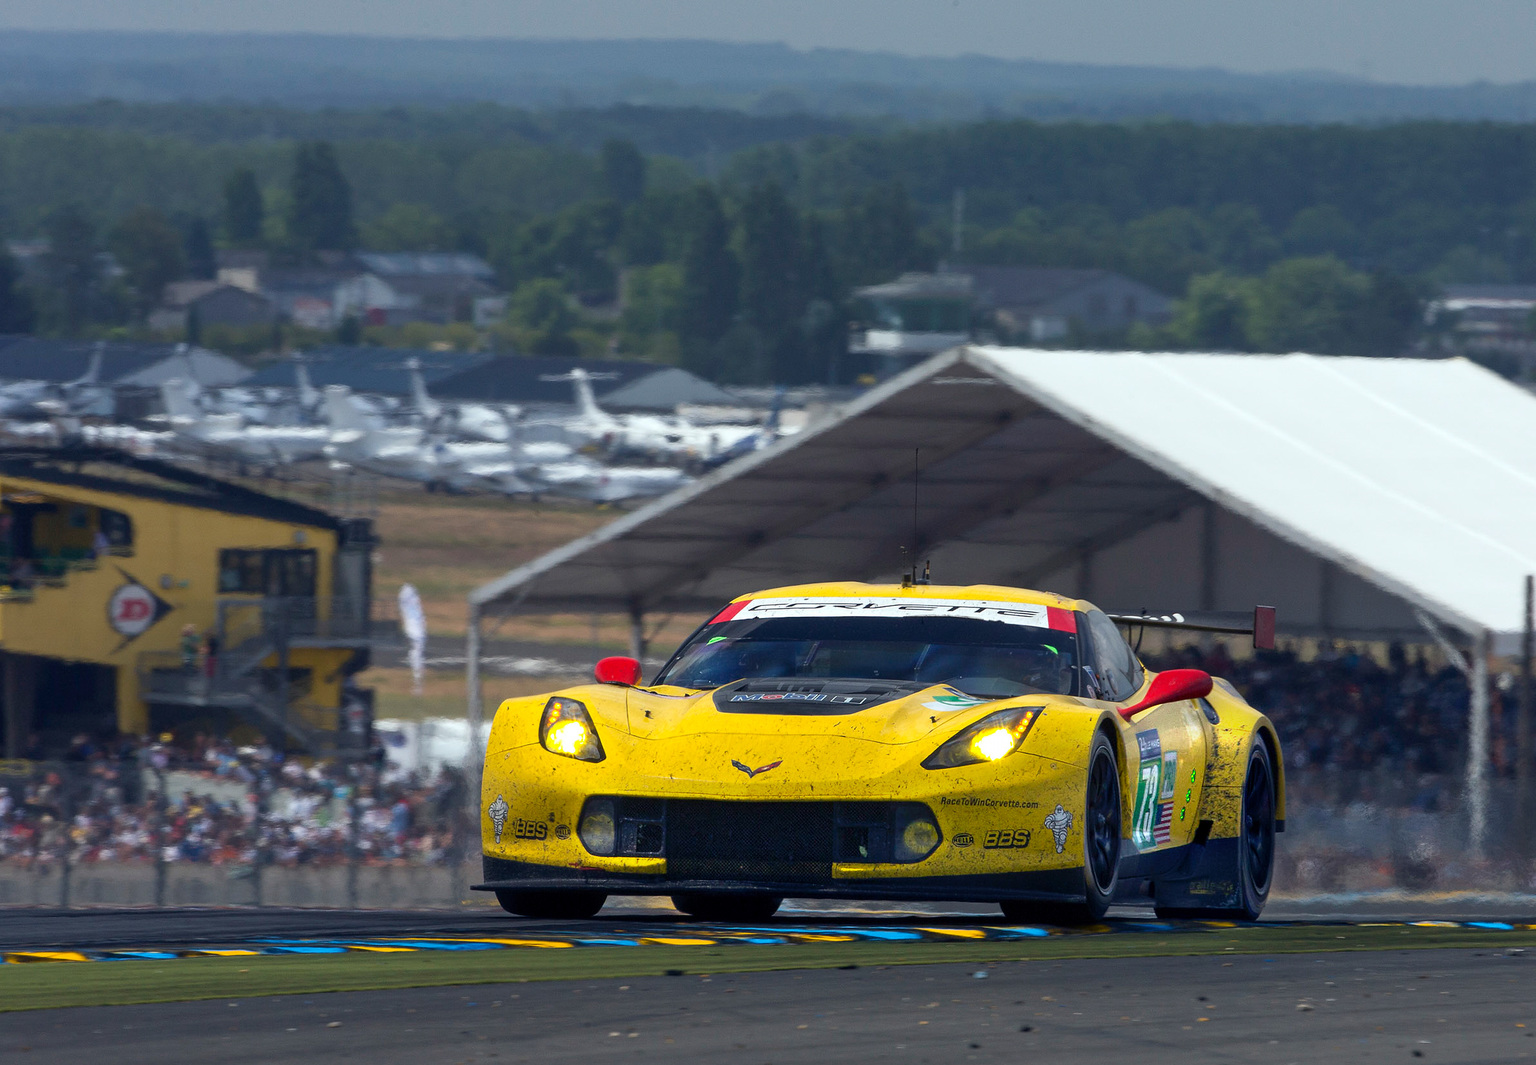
1255,867
713,906
553,905
1101,836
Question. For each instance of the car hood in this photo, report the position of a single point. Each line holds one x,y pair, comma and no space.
850,709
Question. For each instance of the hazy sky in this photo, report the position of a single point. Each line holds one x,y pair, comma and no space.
1416,41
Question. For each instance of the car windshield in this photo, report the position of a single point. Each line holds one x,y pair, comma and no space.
981,658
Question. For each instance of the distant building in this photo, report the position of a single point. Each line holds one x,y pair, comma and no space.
213,303
919,314
1043,304
915,315
30,358
376,288
1494,324
398,287
1488,312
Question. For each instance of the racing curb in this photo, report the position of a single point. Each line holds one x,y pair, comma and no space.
684,937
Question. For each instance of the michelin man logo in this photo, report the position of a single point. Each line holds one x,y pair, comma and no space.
1060,823
498,812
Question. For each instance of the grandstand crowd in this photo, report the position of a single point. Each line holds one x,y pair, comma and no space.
1344,710
226,805
1336,711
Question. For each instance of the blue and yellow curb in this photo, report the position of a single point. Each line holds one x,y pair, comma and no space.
774,935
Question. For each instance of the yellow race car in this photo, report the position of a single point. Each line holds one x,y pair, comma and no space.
912,742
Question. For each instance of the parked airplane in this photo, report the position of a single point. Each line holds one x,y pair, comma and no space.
649,436
85,396
478,420
516,469
229,434
410,452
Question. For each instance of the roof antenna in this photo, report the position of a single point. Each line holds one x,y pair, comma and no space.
912,577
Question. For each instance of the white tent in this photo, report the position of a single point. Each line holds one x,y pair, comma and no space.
1364,498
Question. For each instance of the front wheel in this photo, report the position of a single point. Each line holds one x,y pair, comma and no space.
707,906
552,905
1100,842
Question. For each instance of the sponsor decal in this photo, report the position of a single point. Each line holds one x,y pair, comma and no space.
1152,818
1060,823
1000,839
133,609
963,839
1030,614
798,697
952,700
497,812
995,804
529,829
760,769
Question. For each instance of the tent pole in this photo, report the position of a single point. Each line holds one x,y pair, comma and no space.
1477,749
474,710
1208,556
636,632
1523,725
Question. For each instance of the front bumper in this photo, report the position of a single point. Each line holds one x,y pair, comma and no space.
1053,885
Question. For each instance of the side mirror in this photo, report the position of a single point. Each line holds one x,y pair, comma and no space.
626,671
1172,686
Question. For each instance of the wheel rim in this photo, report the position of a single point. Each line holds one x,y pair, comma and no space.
1103,829
1259,823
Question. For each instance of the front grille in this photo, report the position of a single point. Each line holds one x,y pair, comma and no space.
774,842
778,842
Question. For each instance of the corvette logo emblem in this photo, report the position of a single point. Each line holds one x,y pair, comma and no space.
760,769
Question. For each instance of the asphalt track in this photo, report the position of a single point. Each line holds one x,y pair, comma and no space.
28,928
1447,1005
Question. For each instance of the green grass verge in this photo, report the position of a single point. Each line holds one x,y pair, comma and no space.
46,985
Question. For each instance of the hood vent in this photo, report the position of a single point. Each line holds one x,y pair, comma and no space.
809,696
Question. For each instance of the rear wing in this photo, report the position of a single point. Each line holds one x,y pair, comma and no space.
1262,628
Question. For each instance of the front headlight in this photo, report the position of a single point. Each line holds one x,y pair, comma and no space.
994,736
566,728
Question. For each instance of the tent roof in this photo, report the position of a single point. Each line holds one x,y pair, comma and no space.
207,368
1407,475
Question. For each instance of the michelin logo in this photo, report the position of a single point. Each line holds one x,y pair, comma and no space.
1060,823
498,814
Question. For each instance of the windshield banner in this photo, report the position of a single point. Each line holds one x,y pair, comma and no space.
1031,614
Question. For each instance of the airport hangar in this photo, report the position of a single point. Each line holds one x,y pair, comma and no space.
106,558
1366,499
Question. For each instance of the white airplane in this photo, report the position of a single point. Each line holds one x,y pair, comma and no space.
412,452
230,434
668,440
581,478
535,468
85,396
478,420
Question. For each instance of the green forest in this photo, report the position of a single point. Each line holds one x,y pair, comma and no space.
738,241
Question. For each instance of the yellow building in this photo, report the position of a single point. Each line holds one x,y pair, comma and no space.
138,597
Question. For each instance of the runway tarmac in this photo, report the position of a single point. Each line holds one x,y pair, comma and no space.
1447,1005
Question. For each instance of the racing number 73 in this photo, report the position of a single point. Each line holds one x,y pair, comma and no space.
1143,818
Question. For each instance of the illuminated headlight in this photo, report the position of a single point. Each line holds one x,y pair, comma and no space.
596,827
566,729
994,736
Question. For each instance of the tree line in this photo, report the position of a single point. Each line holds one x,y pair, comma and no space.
1274,238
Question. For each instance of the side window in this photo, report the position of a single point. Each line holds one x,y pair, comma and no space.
240,571
1114,664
